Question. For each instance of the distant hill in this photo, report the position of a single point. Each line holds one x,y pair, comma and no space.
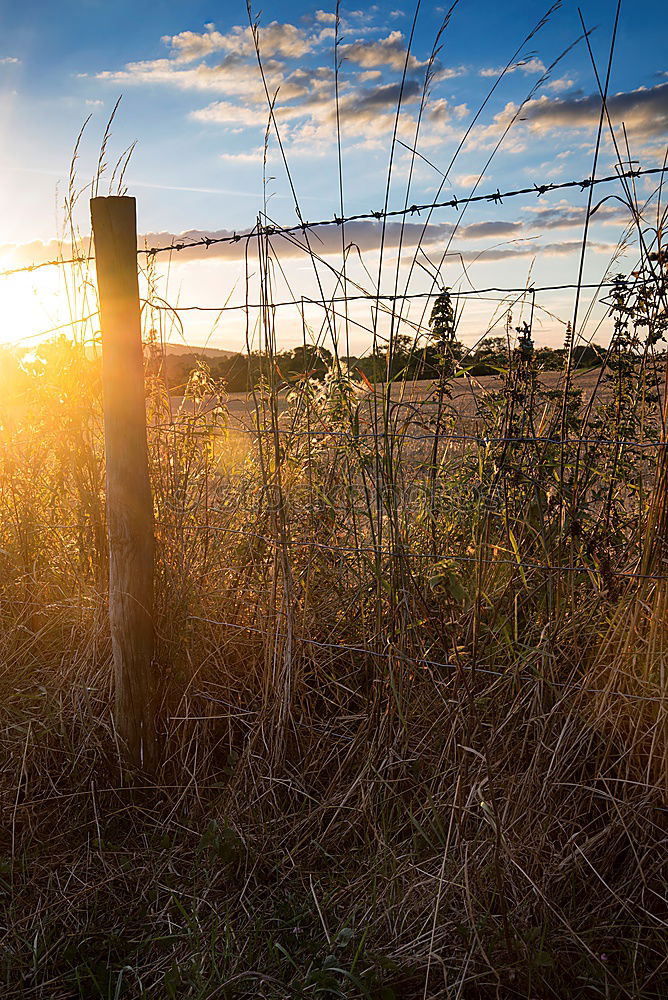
192,350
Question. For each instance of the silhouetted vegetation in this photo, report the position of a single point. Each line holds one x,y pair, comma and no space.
408,362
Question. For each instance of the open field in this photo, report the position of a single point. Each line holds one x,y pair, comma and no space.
465,394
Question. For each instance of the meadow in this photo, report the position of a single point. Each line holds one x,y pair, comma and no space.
411,659
411,621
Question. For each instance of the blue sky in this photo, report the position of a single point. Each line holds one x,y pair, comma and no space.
194,101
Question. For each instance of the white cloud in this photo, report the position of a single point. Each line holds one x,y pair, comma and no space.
308,124
230,76
447,73
527,66
468,180
9,61
224,65
251,156
644,111
276,40
560,85
389,51
224,112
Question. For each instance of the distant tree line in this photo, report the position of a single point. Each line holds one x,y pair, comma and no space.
406,362
240,372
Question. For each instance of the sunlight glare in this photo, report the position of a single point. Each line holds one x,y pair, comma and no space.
30,305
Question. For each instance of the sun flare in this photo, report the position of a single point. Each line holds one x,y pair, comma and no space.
31,305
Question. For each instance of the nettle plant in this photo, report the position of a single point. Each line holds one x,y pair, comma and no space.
510,415
630,361
316,436
627,414
327,402
443,335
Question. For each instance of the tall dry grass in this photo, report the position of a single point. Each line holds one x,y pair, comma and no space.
412,661
414,761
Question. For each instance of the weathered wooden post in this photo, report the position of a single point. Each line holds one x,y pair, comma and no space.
129,501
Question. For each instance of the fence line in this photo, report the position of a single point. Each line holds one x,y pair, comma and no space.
436,556
400,436
442,557
394,297
61,326
58,262
496,197
488,497
468,668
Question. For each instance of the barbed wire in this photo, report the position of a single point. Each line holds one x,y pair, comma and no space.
56,262
603,572
392,297
394,435
61,326
497,197
403,550
445,665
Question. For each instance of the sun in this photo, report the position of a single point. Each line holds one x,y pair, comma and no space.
31,305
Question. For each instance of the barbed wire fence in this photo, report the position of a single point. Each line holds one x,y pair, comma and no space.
278,525
262,231
398,454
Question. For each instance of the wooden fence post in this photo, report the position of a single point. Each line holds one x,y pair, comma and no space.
129,501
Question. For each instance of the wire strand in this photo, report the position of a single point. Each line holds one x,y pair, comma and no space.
447,665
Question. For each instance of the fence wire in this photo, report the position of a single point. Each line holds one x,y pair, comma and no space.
259,231
397,654
495,197
269,440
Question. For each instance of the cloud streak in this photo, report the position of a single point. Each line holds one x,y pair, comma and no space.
389,51
326,241
527,66
279,41
567,248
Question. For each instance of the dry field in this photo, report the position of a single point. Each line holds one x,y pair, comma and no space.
415,741
419,396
